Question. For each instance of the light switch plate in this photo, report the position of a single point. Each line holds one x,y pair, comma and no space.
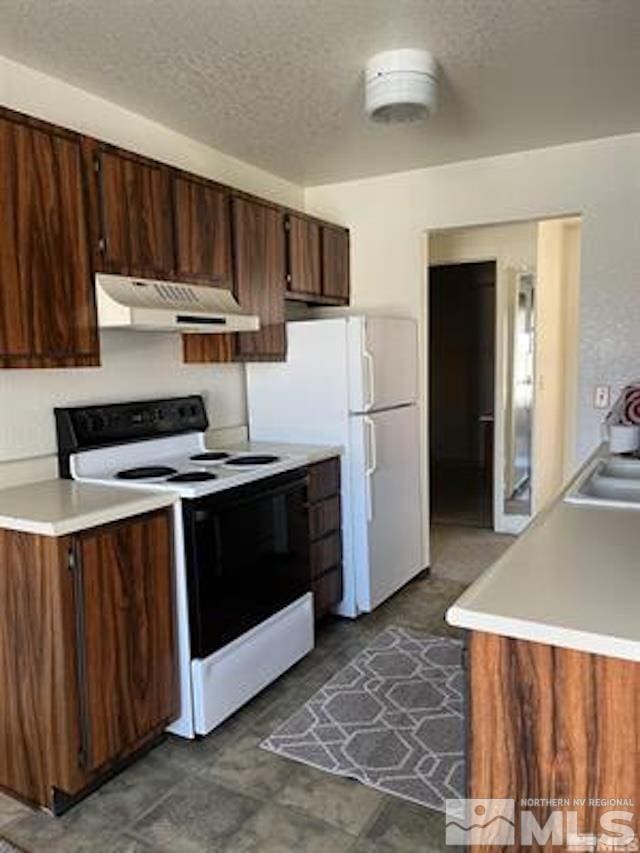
601,396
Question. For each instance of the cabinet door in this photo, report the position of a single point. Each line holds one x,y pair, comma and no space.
259,256
303,241
129,669
335,263
134,215
47,315
202,232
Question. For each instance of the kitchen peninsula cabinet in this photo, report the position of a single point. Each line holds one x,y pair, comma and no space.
88,664
569,726
47,311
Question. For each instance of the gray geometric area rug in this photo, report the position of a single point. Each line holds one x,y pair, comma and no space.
393,719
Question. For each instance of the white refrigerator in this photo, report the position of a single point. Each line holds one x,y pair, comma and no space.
353,382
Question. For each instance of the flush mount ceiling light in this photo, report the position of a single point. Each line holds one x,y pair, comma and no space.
401,85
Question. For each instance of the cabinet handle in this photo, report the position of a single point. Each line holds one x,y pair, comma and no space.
102,245
75,566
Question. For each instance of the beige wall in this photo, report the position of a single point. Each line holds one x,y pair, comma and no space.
557,294
134,365
600,180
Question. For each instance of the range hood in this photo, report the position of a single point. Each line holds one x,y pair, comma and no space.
147,305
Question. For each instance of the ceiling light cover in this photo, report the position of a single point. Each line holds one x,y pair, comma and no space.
401,85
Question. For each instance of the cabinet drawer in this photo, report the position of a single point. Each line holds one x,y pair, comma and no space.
327,591
324,480
325,554
324,517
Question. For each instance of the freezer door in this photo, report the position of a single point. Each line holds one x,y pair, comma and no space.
386,510
383,363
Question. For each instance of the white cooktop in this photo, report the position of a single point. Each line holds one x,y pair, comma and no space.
102,465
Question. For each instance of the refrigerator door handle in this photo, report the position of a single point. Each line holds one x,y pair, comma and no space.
371,384
372,463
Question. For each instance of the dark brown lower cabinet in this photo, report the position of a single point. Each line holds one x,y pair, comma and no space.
325,535
549,724
88,667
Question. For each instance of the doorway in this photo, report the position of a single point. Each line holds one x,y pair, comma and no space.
462,306
503,336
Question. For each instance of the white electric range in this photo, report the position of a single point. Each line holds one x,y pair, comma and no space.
243,603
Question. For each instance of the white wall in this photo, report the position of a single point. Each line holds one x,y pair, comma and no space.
388,216
134,365
513,247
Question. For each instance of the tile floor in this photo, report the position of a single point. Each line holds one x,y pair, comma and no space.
223,793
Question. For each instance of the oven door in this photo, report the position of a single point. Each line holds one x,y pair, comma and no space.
247,553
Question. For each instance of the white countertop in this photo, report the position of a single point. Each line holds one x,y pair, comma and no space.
58,507
571,580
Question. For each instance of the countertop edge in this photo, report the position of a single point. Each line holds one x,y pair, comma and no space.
85,521
548,635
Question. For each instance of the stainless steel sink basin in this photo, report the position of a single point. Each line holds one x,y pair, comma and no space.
612,482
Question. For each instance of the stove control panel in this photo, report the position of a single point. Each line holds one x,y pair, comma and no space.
87,427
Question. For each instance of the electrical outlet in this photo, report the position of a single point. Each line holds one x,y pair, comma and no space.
601,396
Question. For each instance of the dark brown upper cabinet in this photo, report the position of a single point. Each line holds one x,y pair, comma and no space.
47,310
202,231
335,264
317,261
259,272
132,214
304,273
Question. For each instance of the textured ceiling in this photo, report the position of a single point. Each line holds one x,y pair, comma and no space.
279,82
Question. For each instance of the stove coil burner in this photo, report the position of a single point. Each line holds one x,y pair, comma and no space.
145,473
192,477
210,456
256,459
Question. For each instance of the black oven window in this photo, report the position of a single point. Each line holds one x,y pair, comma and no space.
248,560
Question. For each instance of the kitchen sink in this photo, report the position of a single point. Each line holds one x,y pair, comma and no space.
612,482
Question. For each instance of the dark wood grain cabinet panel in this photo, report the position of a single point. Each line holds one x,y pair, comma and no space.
325,533
326,553
327,591
259,272
335,263
46,296
88,670
201,215
134,214
40,737
568,723
129,640
71,206
324,480
324,516
202,227
304,274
